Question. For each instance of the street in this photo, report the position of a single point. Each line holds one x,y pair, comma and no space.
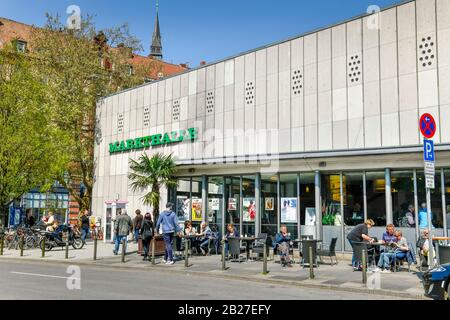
29,280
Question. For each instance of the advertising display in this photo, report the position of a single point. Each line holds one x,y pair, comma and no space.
289,210
249,210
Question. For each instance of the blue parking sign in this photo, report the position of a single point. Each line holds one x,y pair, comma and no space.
428,150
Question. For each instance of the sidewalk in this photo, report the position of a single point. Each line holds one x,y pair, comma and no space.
339,277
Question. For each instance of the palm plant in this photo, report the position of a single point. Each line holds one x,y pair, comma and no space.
153,173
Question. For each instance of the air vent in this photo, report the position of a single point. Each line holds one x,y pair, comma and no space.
354,69
176,110
120,123
249,93
210,102
146,117
426,54
297,82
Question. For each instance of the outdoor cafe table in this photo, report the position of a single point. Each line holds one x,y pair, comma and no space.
247,241
189,239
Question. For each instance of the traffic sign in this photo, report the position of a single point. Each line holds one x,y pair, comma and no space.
430,168
428,150
427,126
429,181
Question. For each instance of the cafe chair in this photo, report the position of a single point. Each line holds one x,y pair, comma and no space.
444,255
258,245
328,252
306,244
234,249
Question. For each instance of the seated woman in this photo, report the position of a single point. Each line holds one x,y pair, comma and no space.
386,259
281,245
232,232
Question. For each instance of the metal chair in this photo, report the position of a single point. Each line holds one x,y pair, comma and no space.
306,245
444,255
234,248
330,252
258,245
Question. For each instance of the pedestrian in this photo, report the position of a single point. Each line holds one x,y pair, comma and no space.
169,223
137,224
123,228
30,221
423,218
360,233
84,226
146,231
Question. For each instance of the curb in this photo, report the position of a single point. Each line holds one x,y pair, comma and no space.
149,267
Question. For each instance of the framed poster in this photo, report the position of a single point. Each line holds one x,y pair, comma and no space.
232,204
183,204
249,211
289,210
310,216
214,204
196,209
269,204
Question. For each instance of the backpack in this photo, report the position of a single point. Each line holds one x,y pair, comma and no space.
148,230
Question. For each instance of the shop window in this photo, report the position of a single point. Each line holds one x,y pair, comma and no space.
215,202
376,197
232,201
269,204
197,202
436,200
402,188
353,190
183,200
289,203
307,201
249,210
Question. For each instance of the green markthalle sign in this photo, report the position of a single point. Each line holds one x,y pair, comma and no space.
154,140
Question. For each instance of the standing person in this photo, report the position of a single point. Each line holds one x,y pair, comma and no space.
123,228
360,233
84,226
30,221
423,217
146,231
137,224
169,222
114,221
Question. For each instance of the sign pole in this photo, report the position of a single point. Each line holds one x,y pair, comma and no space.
430,231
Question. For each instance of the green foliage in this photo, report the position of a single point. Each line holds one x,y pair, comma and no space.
154,173
30,144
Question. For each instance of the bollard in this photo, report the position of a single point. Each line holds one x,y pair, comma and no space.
364,267
153,251
265,260
123,250
43,247
2,244
67,246
22,240
95,246
186,253
224,266
311,263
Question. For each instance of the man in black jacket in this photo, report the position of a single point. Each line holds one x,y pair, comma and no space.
84,226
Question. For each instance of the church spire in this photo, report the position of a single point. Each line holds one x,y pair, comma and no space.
156,48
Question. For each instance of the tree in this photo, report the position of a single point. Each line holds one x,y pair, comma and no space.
29,143
154,173
79,67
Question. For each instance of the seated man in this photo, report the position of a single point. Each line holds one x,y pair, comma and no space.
424,246
389,235
204,235
400,248
281,245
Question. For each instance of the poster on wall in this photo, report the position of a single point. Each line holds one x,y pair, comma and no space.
232,204
183,204
289,210
214,204
249,211
196,209
310,216
269,204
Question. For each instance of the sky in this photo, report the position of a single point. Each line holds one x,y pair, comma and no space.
201,30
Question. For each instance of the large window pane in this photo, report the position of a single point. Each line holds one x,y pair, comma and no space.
215,202
436,199
376,197
232,200
402,188
197,203
248,205
269,204
353,189
331,198
289,203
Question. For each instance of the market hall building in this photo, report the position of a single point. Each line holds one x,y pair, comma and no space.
319,132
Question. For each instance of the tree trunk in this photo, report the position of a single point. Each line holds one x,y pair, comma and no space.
155,204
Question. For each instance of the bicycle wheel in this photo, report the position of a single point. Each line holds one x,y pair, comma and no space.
30,242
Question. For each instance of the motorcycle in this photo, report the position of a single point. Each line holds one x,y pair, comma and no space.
64,234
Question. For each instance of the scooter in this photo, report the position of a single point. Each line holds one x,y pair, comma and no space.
59,239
